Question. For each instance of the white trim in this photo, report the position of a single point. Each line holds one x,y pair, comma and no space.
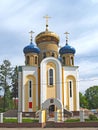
77,91
30,109
64,93
29,70
56,102
23,93
43,77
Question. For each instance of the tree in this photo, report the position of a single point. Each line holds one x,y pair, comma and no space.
5,77
83,101
15,85
91,95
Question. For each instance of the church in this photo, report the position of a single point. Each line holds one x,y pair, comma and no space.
49,78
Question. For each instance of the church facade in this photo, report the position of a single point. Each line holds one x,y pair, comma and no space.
49,75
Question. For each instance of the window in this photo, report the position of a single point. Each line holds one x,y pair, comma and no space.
72,61
63,60
50,77
44,55
28,59
53,54
30,88
35,59
70,87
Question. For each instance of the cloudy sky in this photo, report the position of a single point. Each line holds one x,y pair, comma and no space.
78,17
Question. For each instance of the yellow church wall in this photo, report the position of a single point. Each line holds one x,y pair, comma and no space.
26,96
74,92
50,46
27,79
31,59
51,89
67,95
68,59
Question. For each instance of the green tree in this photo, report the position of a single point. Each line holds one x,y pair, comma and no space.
5,78
83,101
14,84
91,95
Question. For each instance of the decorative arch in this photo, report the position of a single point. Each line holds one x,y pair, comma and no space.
43,80
29,95
52,101
72,92
71,77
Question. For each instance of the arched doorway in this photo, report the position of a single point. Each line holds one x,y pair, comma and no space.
51,110
52,106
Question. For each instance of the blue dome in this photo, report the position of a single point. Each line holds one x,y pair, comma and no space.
67,49
31,49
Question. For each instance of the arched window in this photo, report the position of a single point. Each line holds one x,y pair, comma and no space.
44,55
53,54
35,59
70,88
72,61
63,60
30,89
51,76
28,60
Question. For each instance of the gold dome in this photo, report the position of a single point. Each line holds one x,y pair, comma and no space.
47,36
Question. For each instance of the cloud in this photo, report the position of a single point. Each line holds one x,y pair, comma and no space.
78,17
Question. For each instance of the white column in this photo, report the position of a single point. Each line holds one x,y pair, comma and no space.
1,117
81,116
40,116
62,114
56,116
19,117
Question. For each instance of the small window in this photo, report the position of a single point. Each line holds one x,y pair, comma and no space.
30,88
35,59
50,76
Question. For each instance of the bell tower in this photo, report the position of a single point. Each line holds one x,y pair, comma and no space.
67,53
47,41
31,53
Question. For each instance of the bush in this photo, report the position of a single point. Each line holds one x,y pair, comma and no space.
92,117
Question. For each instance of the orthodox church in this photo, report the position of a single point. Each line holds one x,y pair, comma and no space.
48,80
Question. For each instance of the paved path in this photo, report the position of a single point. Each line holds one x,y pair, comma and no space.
49,128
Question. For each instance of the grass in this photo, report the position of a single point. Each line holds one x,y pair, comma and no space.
10,120
88,120
24,120
72,120
78,120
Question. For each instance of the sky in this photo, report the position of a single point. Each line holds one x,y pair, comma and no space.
78,17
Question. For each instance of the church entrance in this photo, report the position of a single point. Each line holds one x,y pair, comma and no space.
53,108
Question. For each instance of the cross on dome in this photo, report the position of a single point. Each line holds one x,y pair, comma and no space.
46,17
66,37
31,33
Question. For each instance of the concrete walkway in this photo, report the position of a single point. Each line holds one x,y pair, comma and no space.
49,128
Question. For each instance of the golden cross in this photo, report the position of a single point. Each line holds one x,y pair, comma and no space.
66,37
46,17
31,32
